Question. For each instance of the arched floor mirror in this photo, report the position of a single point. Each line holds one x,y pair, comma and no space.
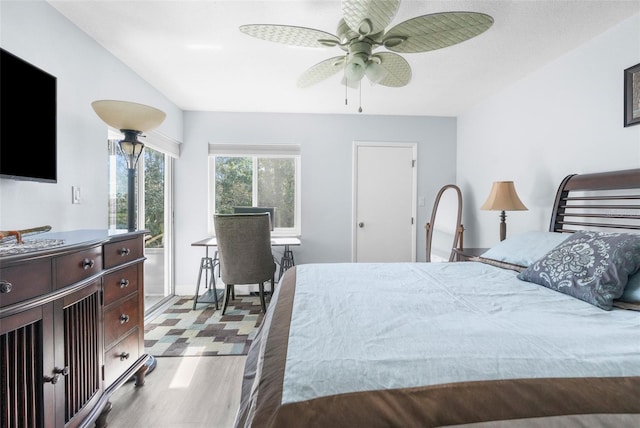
445,230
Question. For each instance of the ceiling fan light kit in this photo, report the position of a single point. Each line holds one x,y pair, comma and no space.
361,30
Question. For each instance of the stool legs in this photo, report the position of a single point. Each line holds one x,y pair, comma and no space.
287,260
207,264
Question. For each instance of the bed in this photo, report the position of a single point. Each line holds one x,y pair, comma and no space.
541,330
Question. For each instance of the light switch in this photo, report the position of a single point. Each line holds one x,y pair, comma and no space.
75,194
421,201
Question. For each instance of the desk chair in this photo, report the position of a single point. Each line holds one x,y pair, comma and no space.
244,249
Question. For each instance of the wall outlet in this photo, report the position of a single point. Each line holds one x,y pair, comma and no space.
75,194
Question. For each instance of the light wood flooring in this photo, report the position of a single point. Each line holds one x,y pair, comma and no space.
182,392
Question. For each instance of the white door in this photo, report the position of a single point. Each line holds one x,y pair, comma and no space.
384,202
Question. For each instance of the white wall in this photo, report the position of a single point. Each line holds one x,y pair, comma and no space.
326,157
85,72
564,118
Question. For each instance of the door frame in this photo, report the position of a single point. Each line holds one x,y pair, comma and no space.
168,248
354,190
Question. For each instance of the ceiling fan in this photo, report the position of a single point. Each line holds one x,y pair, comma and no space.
361,31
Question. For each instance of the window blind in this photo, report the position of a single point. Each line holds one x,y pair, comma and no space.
254,149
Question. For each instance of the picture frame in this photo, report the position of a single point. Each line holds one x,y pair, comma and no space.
632,95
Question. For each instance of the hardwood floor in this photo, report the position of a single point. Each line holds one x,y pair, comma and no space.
182,392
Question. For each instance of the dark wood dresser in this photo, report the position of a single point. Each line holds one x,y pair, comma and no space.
71,327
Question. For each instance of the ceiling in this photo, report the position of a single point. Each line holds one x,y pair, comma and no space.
193,52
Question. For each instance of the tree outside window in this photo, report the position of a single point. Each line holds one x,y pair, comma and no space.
154,194
268,181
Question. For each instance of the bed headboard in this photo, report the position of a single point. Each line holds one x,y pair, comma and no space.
601,201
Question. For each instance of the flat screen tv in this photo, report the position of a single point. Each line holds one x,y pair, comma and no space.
28,144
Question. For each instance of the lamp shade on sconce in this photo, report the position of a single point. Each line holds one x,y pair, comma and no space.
503,197
128,115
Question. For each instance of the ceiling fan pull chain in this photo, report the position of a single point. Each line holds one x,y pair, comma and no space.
360,101
346,94
346,83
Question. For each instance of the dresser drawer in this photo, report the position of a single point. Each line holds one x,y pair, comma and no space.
120,252
23,282
77,266
120,357
120,319
120,284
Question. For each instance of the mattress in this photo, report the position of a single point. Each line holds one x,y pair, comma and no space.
434,344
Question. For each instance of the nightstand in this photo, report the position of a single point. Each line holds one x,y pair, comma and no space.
467,254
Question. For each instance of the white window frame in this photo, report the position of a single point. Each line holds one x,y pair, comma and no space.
257,151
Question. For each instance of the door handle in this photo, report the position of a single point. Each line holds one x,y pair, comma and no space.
361,224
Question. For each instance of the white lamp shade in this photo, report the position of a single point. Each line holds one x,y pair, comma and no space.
503,197
127,115
355,69
375,72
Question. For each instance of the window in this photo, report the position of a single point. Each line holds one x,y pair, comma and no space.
259,176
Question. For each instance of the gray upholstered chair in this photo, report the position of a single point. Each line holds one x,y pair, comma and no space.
244,249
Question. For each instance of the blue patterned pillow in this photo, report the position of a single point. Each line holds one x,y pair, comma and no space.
590,266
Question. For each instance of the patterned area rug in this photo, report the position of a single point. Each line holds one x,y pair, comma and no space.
180,331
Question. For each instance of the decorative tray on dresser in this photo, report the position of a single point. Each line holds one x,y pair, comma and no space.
71,326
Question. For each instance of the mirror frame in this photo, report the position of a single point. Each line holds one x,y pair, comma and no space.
458,235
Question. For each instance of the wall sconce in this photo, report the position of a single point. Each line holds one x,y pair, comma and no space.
503,197
132,119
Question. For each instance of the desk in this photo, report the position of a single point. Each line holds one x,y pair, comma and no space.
208,264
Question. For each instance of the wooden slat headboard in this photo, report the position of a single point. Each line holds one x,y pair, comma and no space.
601,201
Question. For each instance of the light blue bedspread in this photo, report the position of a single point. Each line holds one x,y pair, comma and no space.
359,327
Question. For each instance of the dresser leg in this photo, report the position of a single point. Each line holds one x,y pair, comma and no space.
101,422
139,376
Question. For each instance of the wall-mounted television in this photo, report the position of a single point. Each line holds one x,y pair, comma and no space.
28,143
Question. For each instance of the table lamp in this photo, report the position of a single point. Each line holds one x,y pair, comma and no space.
503,197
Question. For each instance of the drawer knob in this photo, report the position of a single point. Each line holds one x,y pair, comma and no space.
124,283
124,318
88,264
124,356
5,287
52,379
124,251
64,371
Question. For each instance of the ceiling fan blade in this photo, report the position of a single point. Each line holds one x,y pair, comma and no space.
397,70
436,31
367,17
321,71
291,35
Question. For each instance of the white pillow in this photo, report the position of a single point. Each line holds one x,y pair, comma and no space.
525,249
